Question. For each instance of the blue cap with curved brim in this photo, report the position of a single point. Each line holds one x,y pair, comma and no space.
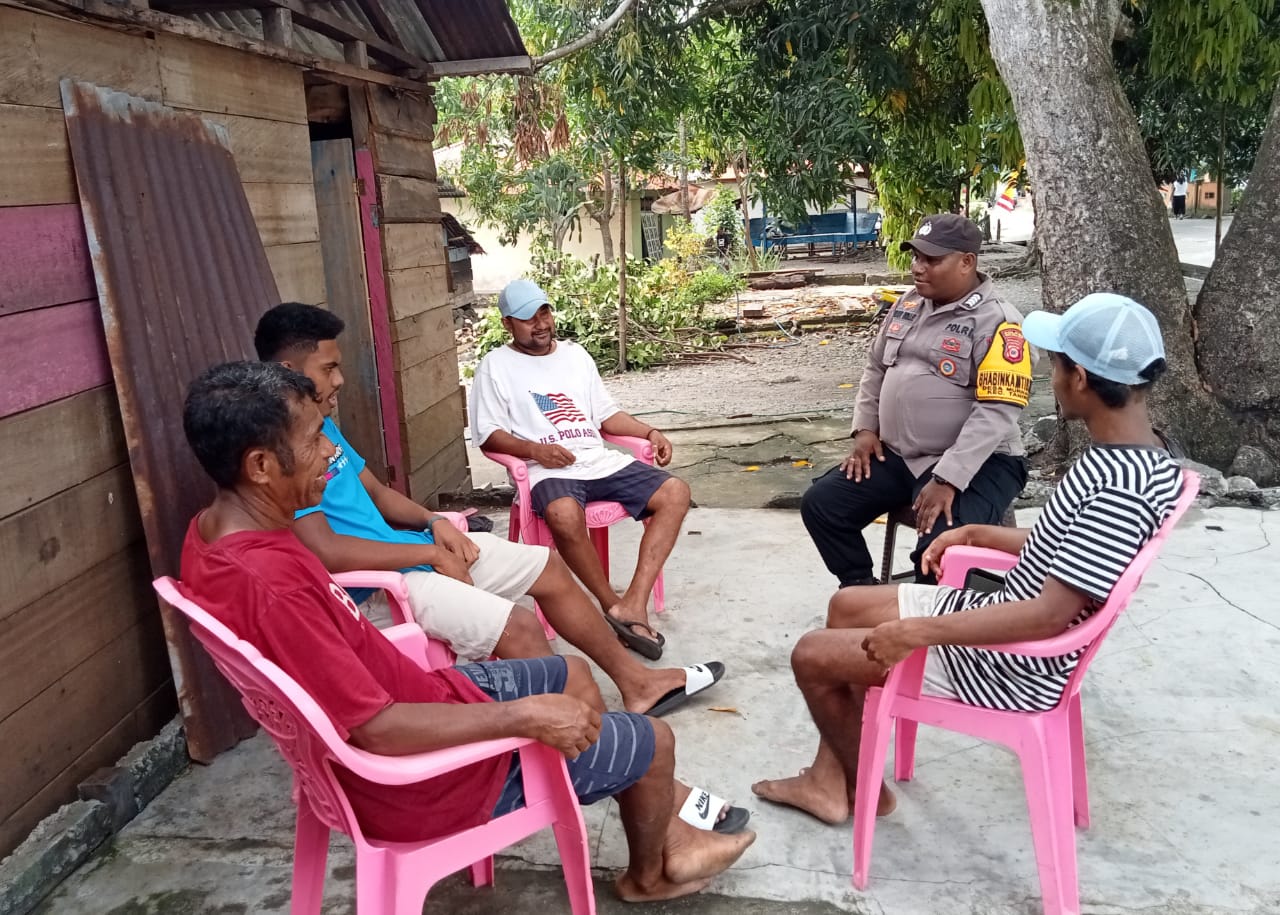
521,299
1111,335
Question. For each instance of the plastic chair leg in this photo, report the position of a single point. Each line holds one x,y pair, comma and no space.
872,749
576,861
1079,771
513,524
600,540
310,854
1046,771
659,595
482,872
904,753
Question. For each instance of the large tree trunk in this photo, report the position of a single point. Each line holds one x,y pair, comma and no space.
1102,223
1238,309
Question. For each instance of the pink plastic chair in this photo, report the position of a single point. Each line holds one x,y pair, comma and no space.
600,515
1050,745
391,878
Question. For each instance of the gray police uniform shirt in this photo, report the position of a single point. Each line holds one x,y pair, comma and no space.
919,390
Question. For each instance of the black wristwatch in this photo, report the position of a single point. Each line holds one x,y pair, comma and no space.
938,479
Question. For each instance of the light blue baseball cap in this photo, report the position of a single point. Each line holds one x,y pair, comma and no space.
521,299
1111,335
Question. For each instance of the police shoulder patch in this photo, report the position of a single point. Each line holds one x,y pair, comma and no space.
1004,376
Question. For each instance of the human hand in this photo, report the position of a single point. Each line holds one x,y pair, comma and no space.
456,542
931,559
553,455
933,502
858,464
661,448
447,563
562,722
889,643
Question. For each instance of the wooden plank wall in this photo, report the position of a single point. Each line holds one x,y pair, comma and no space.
84,673
417,270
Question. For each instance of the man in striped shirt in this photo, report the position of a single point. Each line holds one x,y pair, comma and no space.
1106,351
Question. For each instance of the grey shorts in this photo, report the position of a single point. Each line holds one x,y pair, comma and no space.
615,762
916,601
632,487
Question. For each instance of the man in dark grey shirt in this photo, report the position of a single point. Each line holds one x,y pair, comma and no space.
935,424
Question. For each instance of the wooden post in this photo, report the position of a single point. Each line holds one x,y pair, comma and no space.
277,26
684,171
622,265
356,53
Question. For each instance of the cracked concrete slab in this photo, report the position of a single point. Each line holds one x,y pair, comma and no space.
1180,722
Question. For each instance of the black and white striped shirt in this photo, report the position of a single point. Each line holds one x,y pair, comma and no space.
1105,509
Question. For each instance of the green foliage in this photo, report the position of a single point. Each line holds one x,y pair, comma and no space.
723,215
666,305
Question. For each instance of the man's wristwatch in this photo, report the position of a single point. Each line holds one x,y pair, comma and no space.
432,521
939,480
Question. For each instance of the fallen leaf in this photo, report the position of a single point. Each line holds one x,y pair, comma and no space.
823,342
750,469
845,385
724,708
801,464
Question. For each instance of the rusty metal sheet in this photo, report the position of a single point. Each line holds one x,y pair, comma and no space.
470,29
182,278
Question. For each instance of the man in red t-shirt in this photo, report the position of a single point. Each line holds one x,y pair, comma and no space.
257,431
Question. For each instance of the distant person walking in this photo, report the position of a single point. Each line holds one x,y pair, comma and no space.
1180,197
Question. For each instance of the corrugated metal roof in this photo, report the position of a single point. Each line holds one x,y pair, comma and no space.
433,30
182,278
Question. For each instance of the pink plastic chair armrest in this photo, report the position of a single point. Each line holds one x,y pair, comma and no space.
390,582
959,560
642,448
517,469
458,519
405,770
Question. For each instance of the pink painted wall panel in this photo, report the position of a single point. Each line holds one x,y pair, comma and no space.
51,353
44,258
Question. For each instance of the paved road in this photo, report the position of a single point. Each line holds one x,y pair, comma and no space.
1194,237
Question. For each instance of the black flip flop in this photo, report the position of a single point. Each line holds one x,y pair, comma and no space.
734,821
645,647
709,674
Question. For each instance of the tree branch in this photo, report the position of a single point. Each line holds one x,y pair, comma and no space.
591,37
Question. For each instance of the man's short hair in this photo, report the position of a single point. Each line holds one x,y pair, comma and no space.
236,406
1114,394
292,328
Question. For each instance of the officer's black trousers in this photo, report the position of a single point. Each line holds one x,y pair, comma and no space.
836,509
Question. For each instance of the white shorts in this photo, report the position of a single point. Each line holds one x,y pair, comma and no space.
471,618
917,601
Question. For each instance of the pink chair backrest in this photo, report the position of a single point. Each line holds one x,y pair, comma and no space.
1096,627
285,711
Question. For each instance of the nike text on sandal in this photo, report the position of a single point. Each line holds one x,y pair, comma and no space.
701,810
696,679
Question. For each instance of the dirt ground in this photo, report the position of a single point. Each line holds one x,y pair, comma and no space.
816,371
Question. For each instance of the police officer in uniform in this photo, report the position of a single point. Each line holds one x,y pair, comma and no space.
935,424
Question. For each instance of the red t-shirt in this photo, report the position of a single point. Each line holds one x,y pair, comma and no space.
268,589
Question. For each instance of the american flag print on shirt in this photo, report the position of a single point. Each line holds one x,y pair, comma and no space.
558,408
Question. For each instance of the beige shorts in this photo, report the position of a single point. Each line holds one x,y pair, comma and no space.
917,601
471,618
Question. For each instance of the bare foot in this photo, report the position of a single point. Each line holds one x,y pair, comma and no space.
887,803
691,855
804,792
629,890
651,687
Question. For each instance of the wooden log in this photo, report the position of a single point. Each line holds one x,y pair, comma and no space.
409,199
426,383
36,51
423,336
409,157
49,732
285,213
61,538
33,146
51,636
299,272
44,257
414,245
56,446
224,81
277,26
418,289
51,353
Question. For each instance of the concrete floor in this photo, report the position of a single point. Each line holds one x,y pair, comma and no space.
1181,727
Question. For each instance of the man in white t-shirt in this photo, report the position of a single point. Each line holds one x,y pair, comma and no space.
542,400
1179,197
